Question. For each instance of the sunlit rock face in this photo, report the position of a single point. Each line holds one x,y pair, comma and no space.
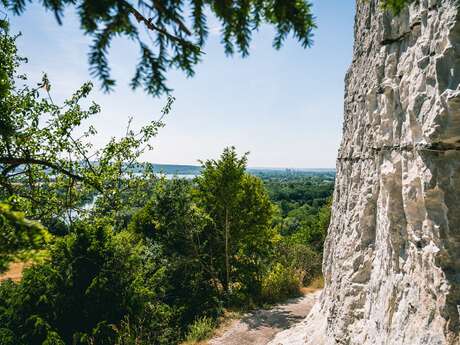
392,255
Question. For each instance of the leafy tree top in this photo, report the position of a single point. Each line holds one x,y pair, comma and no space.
172,33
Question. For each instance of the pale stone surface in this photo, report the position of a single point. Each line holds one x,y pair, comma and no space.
259,326
392,255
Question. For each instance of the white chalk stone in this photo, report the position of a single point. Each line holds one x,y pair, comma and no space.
392,254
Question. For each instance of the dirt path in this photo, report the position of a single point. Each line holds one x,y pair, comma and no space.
260,326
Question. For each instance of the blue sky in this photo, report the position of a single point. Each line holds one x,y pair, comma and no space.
285,106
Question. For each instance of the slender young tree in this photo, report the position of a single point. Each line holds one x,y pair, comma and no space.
241,215
218,188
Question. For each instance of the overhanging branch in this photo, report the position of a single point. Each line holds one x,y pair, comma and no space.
148,23
14,162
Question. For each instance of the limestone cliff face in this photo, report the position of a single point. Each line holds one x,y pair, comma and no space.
392,255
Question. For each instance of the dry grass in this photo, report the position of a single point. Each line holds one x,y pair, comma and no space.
26,259
14,272
204,342
316,284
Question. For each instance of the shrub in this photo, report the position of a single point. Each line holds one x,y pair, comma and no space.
201,329
172,223
305,261
317,283
93,280
279,283
153,326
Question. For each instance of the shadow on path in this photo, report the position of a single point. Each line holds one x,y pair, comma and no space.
260,326
279,317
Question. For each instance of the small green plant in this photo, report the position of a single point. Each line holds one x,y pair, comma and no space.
396,6
201,329
279,283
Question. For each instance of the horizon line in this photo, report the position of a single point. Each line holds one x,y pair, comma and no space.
249,167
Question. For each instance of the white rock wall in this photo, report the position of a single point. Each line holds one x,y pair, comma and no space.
392,255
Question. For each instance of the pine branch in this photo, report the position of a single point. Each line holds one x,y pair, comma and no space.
148,23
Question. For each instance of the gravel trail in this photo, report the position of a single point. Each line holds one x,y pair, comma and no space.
260,326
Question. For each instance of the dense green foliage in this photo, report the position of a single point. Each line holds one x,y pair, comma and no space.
292,192
162,279
396,6
201,329
173,224
19,237
304,212
92,281
304,202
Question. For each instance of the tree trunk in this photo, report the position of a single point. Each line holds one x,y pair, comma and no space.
227,260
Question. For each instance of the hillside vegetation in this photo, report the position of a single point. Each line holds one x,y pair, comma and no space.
117,255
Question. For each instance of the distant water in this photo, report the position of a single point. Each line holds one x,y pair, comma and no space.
185,176
190,171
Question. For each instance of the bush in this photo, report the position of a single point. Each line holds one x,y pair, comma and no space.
201,329
305,261
172,223
93,280
279,283
153,326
